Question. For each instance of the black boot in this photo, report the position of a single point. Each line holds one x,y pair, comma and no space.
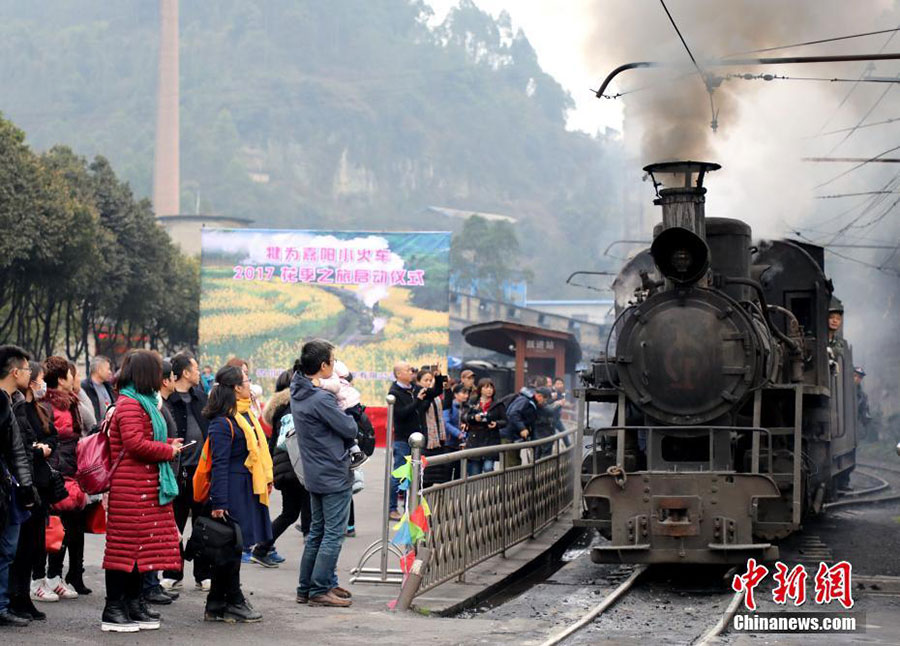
23,607
9,618
140,612
241,612
77,583
116,620
158,596
215,610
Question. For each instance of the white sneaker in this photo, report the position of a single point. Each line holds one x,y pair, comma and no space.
204,585
170,584
61,588
41,591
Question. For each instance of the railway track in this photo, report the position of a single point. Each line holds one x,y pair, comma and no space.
620,592
867,496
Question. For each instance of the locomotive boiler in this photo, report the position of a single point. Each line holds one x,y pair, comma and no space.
733,412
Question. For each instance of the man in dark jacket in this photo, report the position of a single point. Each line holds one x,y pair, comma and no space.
409,399
97,387
325,434
521,415
16,491
186,403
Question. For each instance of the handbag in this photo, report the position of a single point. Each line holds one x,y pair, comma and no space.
54,535
95,519
217,541
58,489
95,465
75,501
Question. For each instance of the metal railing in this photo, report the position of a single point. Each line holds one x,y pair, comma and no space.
474,518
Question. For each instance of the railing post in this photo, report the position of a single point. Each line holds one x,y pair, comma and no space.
504,498
577,450
463,464
386,498
416,444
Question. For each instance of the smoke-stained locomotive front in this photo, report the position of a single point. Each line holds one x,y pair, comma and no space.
711,375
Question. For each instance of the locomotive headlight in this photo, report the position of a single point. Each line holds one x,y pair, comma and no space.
681,260
680,254
898,448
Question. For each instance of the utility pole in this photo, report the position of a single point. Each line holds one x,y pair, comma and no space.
166,170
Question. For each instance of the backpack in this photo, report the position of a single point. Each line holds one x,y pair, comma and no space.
286,429
93,456
203,474
365,436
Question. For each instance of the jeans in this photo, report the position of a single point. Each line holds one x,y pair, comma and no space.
32,540
479,465
9,540
330,513
401,450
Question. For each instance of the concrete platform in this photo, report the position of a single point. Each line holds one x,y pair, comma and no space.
272,592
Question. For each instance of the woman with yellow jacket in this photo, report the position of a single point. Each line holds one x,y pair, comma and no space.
240,484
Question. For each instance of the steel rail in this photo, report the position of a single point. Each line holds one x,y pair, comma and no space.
724,621
862,500
600,608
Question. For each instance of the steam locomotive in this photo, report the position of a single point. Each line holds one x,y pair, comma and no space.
734,412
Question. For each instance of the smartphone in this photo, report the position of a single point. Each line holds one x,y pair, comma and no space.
184,446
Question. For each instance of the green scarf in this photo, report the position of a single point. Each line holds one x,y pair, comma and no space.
168,487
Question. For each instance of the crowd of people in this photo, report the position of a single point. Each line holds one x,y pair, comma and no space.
186,443
454,416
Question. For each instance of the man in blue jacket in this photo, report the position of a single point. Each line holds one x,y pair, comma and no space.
521,415
325,434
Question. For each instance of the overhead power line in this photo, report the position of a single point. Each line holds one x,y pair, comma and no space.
709,90
814,42
868,125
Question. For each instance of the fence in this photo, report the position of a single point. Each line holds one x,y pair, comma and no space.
476,517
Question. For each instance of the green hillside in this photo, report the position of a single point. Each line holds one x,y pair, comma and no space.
336,114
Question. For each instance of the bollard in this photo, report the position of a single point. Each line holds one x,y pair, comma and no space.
388,467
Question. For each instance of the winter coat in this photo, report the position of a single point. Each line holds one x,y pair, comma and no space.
67,421
325,434
521,414
231,485
139,531
409,410
452,420
88,387
278,406
180,411
12,450
477,433
33,430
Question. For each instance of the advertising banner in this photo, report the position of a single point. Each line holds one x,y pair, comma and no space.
379,297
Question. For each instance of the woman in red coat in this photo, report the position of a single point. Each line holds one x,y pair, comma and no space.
141,535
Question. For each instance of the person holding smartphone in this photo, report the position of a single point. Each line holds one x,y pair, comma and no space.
141,535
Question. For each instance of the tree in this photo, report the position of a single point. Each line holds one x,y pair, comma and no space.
484,257
82,262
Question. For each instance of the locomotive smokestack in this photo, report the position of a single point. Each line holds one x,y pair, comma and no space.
684,201
680,248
